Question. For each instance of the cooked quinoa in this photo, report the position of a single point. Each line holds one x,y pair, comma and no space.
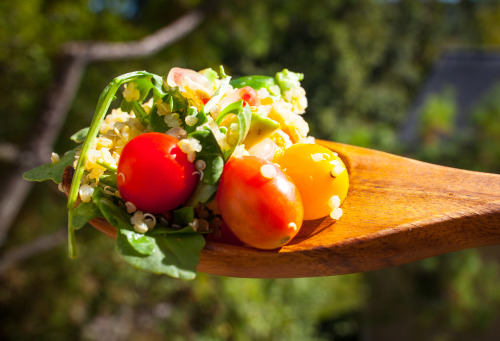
120,127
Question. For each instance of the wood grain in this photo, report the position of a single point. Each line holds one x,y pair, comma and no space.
397,211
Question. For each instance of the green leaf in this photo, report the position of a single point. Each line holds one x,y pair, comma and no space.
255,82
176,103
211,154
140,243
201,118
244,117
108,179
161,229
84,212
80,135
218,94
176,255
103,104
51,171
114,214
183,216
156,121
203,193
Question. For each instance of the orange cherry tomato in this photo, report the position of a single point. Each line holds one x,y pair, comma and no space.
259,203
320,176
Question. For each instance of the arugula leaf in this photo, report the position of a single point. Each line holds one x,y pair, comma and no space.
142,244
201,118
161,229
80,135
107,96
108,179
176,103
120,219
173,254
84,212
51,171
211,154
183,216
213,157
176,255
255,82
244,117
156,121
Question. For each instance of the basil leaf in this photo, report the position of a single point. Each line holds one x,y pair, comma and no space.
51,171
84,212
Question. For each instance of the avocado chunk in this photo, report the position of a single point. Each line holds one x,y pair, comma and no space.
260,128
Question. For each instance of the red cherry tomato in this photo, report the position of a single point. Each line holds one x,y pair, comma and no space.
259,203
154,173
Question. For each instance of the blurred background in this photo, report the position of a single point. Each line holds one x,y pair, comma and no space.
414,78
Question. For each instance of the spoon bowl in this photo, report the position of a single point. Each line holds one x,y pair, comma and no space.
397,211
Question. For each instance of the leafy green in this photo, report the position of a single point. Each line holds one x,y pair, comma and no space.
103,104
108,179
183,216
156,121
84,212
255,82
142,244
244,117
80,135
176,255
171,253
213,157
51,171
175,103
201,118
211,154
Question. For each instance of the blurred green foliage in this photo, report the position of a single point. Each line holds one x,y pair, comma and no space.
363,60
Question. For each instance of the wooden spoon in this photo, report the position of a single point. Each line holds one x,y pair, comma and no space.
397,211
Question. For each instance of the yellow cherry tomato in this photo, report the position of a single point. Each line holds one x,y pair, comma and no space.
320,175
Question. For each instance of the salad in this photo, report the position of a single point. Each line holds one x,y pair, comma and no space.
197,156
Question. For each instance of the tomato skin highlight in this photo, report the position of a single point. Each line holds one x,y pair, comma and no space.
154,173
261,206
310,166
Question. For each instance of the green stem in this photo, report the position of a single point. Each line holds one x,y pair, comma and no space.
112,168
107,96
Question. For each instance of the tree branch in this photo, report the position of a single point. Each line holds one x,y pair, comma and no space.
75,57
32,248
